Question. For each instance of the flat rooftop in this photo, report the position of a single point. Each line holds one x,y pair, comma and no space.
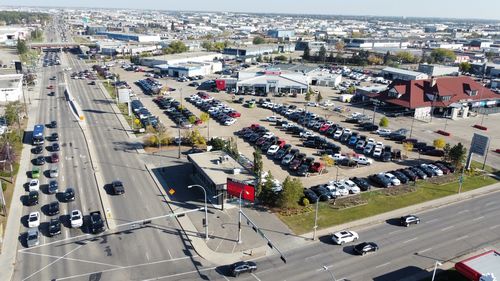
488,262
10,80
402,71
218,167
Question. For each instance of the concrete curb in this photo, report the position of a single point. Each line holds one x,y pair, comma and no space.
199,244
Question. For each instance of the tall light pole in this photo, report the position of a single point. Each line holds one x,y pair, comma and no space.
206,212
435,268
325,268
316,217
239,217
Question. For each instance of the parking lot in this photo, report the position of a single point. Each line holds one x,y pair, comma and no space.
258,115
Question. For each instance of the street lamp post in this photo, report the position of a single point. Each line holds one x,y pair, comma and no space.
239,217
435,268
337,175
206,212
316,217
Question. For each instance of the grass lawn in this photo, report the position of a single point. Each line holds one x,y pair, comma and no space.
378,203
122,106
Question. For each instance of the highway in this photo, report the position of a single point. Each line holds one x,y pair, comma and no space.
126,253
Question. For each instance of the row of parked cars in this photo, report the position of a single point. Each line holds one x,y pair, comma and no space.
217,110
143,114
278,150
149,86
179,115
354,185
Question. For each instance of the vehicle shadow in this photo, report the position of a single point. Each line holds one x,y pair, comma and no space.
224,270
393,221
349,250
22,239
24,221
65,220
44,229
327,239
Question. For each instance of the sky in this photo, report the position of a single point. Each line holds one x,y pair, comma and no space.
482,9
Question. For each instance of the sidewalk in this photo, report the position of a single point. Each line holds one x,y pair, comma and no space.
291,241
11,235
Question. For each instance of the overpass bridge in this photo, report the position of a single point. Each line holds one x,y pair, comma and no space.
58,45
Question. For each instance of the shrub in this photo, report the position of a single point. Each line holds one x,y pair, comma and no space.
305,202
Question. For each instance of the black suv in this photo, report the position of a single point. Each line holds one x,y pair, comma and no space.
365,247
53,187
32,198
54,227
40,160
53,208
37,149
361,183
380,180
69,194
117,187
54,137
96,223
409,219
242,267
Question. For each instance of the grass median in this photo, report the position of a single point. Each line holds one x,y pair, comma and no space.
377,203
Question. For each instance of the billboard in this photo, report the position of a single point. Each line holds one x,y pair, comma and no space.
479,144
234,188
123,95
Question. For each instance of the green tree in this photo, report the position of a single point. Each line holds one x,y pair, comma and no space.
259,58
291,194
207,45
443,55
12,112
218,143
258,164
21,47
257,40
465,66
375,60
196,139
319,97
351,90
446,150
307,53
490,55
280,58
339,46
192,119
175,47
457,155
405,57
439,143
384,122
322,53
308,95
266,194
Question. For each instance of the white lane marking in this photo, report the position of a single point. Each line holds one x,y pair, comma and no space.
462,237
478,218
447,228
71,259
489,203
255,277
50,243
147,256
138,265
169,254
407,241
463,211
424,250
395,231
41,269
381,265
429,221
225,277
495,226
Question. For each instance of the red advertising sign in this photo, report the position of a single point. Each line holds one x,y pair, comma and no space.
234,188
220,84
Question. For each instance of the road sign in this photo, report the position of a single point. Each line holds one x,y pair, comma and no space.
171,191
479,144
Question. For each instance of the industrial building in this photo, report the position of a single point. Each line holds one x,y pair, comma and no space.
434,70
485,267
272,82
130,37
212,170
11,87
189,69
392,73
285,34
256,50
9,35
118,48
176,59
375,43
314,46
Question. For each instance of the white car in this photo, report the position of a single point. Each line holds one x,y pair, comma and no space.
313,104
230,121
377,152
344,236
394,181
340,187
383,132
307,134
337,134
334,193
273,149
370,141
272,118
338,156
435,169
76,219
268,135
328,103
34,219
34,185
351,186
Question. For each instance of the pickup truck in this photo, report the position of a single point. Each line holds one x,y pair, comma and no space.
362,160
96,222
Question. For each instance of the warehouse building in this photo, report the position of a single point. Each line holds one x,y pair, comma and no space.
434,70
189,69
256,50
361,43
176,59
11,87
131,37
392,73
272,81
212,171
285,34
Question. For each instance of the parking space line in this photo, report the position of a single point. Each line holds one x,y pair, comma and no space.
407,241
462,237
478,218
425,250
169,254
495,226
255,277
429,221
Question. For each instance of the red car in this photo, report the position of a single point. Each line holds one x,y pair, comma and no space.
316,167
324,128
198,122
254,126
281,143
54,158
50,87
235,114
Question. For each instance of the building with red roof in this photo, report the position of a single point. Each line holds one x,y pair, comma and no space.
450,96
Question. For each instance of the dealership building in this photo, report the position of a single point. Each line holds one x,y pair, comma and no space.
11,87
214,169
